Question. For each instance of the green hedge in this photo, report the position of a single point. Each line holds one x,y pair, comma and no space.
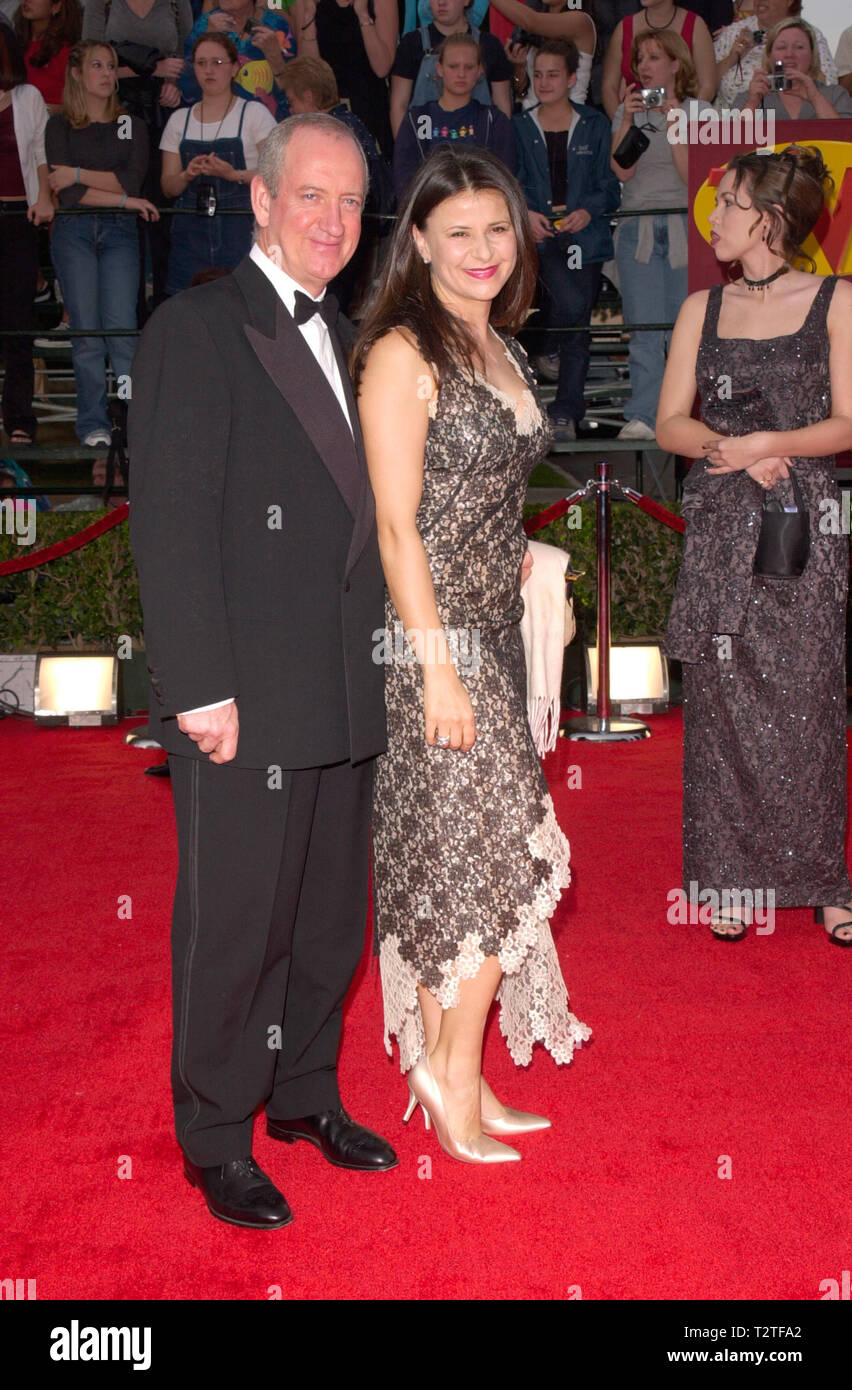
91,596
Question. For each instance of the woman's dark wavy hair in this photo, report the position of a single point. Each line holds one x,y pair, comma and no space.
63,29
13,69
404,297
790,188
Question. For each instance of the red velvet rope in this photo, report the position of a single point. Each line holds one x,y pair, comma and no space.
535,523
653,509
80,538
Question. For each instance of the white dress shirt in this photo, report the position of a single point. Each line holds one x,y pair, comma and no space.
316,335
315,331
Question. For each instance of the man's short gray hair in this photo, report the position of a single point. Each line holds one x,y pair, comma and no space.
274,150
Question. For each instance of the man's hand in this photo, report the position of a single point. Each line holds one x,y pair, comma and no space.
575,221
540,226
214,730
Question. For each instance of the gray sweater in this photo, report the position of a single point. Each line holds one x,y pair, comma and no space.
832,91
156,30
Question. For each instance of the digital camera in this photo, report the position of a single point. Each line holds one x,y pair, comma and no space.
525,39
759,36
652,96
778,82
205,199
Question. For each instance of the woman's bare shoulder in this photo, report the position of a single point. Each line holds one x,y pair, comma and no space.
396,356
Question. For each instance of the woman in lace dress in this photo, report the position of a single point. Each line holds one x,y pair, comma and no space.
469,861
764,674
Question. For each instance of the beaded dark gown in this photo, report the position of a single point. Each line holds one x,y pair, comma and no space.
764,758
468,858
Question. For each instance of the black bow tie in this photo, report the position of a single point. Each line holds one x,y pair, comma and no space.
305,308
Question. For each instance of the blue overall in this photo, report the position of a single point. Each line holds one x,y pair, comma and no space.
199,241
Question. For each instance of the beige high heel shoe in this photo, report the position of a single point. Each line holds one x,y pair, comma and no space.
425,1092
513,1122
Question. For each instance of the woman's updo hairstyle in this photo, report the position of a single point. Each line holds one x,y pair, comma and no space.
790,188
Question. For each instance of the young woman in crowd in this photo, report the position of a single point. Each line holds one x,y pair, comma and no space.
98,156
358,38
793,42
656,17
570,196
739,48
24,204
209,152
651,251
265,41
149,37
455,116
554,21
47,31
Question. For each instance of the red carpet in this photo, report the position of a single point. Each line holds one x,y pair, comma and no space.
702,1050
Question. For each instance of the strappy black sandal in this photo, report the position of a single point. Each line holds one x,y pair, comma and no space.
819,916
728,922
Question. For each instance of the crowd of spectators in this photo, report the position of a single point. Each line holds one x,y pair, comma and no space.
141,121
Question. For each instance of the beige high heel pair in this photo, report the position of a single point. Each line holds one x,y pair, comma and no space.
425,1092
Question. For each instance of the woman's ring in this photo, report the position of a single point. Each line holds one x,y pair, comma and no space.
442,740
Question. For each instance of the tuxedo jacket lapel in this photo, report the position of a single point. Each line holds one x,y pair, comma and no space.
288,361
365,514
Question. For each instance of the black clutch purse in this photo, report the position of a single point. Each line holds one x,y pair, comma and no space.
784,543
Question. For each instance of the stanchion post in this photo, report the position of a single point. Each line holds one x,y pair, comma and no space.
604,470
602,727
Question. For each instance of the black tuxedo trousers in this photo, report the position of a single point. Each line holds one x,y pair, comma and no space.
267,931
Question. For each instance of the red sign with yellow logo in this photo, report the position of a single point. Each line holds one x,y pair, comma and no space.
830,243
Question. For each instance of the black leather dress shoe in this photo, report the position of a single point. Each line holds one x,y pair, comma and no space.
339,1139
240,1193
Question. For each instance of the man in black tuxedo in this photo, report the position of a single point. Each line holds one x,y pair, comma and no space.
253,528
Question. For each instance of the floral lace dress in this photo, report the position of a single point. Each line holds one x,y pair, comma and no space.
469,860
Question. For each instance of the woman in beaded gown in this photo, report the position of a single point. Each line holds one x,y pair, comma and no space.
469,860
764,675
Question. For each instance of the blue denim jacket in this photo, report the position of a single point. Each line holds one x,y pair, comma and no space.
591,183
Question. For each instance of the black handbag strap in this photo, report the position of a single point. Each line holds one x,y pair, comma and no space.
771,503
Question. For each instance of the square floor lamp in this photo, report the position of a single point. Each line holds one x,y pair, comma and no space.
638,678
77,688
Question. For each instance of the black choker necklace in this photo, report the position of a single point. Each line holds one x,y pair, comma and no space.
761,284
661,26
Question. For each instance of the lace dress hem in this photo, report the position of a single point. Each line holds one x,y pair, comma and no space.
532,994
